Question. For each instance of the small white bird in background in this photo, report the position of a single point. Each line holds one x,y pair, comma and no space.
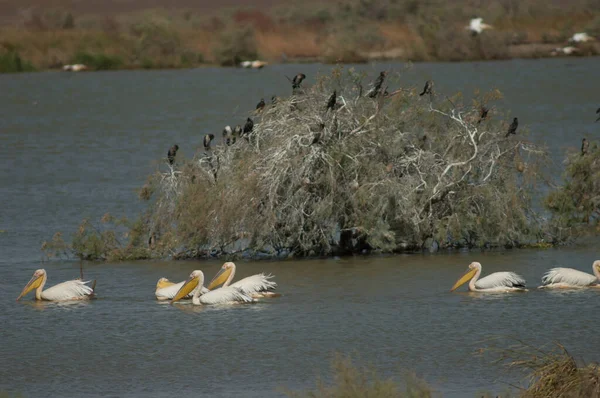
74,68
581,38
476,26
569,50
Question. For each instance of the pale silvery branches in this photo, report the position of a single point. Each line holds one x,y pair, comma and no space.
372,174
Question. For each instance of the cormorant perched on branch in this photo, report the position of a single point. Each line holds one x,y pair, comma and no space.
585,145
483,112
297,80
377,85
513,127
261,105
248,126
227,135
332,100
172,153
207,139
428,89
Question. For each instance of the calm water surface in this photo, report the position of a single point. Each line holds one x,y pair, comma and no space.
77,145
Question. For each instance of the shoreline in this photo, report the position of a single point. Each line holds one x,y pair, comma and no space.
531,51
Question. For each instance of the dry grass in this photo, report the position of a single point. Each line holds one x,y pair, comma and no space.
352,31
350,381
553,372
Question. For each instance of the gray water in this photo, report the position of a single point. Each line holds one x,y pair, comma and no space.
78,145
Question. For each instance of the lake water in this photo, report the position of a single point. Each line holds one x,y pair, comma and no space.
78,145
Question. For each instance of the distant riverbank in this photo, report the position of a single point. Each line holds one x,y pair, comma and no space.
43,38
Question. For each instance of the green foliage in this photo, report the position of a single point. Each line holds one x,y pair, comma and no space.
577,202
101,242
350,381
98,61
12,62
235,45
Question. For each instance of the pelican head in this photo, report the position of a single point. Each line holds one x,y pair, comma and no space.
162,283
596,266
195,279
35,282
222,276
467,276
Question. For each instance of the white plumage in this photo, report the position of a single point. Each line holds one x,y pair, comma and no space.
500,280
496,282
67,291
476,26
166,290
256,286
70,290
224,295
571,278
581,37
258,283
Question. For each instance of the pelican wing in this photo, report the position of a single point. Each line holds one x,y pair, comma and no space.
255,283
69,290
500,279
167,293
225,295
568,276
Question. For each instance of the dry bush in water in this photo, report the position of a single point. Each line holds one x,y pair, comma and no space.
553,372
352,382
387,174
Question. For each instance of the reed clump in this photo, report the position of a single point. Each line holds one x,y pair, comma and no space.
553,372
387,172
350,381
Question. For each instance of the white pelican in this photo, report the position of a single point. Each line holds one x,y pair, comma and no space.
476,26
255,286
74,68
581,37
69,290
166,290
224,295
568,50
496,282
566,278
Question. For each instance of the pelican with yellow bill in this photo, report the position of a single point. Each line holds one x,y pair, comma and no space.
497,282
70,290
225,295
255,286
166,290
569,278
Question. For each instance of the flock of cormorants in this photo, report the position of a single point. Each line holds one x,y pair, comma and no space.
230,135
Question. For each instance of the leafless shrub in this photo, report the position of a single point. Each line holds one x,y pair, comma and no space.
387,174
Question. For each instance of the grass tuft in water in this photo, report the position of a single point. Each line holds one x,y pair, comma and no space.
350,381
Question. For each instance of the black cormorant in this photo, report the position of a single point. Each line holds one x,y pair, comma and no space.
332,100
513,127
172,153
428,89
297,80
585,144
